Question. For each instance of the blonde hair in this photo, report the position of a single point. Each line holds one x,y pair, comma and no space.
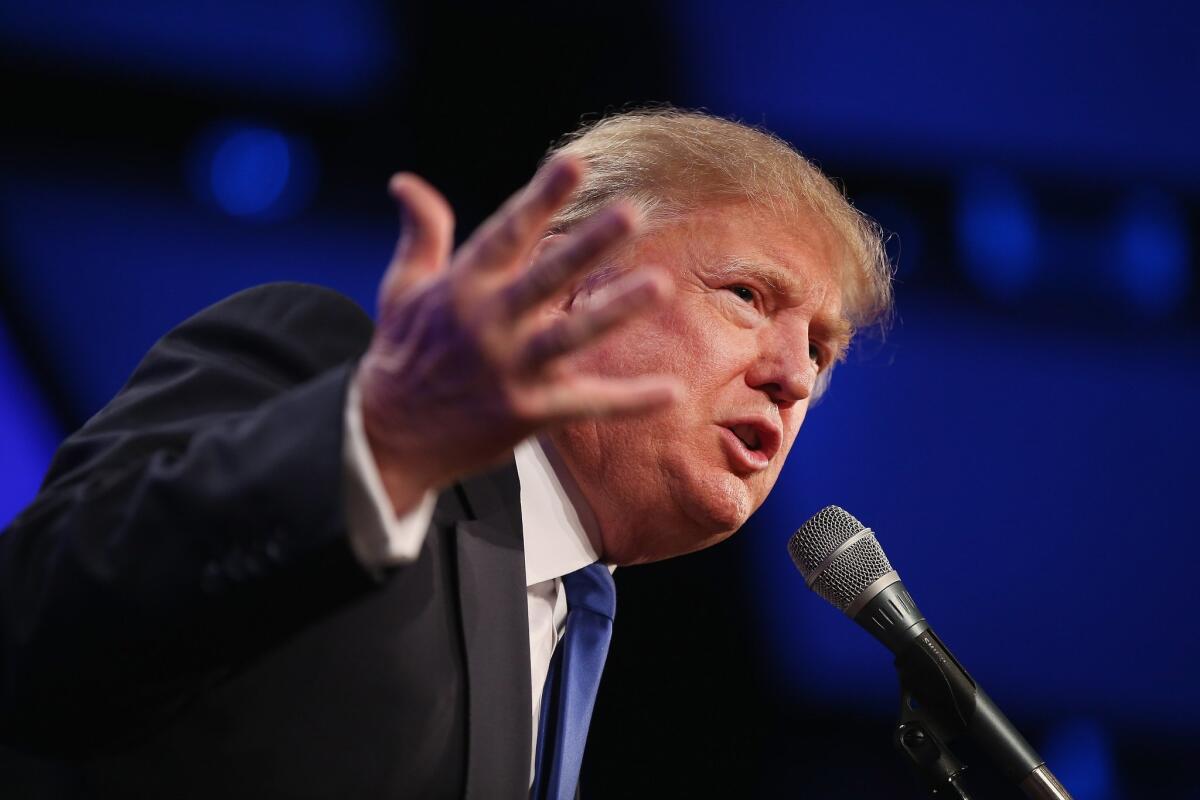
670,161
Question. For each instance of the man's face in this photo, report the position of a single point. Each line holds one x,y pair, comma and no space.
756,312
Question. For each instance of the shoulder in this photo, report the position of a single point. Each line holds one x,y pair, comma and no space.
218,366
304,321
282,296
279,333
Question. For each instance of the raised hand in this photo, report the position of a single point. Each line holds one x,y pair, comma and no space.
468,356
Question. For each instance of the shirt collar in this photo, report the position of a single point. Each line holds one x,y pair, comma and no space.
559,529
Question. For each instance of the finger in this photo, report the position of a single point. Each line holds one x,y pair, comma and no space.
590,397
426,231
512,231
560,263
623,300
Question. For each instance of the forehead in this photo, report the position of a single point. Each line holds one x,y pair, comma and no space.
797,255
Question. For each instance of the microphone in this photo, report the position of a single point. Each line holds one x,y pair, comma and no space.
841,560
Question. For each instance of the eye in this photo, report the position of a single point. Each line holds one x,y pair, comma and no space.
742,292
814,353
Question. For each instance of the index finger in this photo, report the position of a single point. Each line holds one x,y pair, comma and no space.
505,237
581,250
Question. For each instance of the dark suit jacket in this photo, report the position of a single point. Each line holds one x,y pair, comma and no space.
182,614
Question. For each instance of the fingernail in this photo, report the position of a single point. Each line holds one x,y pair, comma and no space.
628,211
395,183
619,219
561,175
647,288
659,280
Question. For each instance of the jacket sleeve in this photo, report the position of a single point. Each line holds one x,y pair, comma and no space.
192,522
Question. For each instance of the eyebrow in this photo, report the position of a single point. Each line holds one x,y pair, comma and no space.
837,332
774,278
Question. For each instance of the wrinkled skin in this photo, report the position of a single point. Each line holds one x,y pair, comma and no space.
745,340
464,362
723,316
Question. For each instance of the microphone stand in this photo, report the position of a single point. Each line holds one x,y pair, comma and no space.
919,736
939,701
922,734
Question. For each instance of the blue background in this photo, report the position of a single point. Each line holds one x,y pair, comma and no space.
1023,441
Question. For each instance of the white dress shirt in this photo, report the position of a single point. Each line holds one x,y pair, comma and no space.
559,532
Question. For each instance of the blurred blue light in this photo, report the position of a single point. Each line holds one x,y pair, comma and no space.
27,430
1080,754
1153,254
152,261
997,234
252,171
319,50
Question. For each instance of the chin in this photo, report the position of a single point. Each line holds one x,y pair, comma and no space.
696,506
695,522
715,508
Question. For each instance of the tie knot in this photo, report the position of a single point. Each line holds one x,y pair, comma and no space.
592,588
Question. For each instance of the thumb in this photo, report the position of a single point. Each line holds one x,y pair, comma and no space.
426,233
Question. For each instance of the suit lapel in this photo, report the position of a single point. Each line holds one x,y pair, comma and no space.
495,627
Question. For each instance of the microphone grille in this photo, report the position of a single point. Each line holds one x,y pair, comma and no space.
841,579
824,532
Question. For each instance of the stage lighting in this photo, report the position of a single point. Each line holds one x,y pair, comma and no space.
252,171
997,234
1152,254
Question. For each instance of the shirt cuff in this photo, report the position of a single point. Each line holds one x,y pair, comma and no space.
378,537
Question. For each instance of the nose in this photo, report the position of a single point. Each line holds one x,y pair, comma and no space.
783,368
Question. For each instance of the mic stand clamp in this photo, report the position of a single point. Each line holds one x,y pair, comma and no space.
917,736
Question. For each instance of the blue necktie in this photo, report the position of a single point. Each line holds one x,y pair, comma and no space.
572,682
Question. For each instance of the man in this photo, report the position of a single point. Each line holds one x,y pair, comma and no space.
287,559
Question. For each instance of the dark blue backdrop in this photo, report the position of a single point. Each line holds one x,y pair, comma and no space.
1023,442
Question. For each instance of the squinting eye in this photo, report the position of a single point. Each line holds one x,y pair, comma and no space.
814,353
743,293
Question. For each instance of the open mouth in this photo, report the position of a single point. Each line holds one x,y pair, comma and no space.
752,442
749,436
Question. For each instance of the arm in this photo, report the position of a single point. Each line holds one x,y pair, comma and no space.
142,570
198,518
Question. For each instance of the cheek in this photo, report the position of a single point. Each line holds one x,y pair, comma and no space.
686,342
696,346
666,343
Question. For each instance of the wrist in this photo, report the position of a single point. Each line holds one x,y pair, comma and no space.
405,469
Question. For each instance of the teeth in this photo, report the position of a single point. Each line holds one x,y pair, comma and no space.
748,435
